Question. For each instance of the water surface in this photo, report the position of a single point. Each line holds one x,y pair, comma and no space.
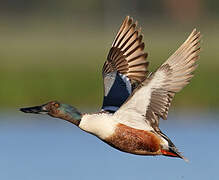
39,147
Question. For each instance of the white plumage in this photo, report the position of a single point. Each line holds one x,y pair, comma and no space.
101,124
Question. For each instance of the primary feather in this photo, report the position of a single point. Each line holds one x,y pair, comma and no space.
127,54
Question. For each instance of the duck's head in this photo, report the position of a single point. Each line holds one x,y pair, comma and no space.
57,110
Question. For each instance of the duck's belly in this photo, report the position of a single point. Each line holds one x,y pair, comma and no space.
134,141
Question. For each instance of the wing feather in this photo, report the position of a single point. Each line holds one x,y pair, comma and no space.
127,54
153,97
125,66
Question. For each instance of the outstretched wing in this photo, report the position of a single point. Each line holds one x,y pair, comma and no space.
125,66
152,99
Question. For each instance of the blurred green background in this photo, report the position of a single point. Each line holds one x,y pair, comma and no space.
54,50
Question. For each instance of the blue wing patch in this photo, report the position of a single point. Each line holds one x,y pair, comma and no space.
117,89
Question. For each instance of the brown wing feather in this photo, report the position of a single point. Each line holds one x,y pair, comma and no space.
175,73
127,53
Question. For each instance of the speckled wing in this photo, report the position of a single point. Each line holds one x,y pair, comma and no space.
125,66
152,99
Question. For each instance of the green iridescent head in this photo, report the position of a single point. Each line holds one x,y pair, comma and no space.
56,109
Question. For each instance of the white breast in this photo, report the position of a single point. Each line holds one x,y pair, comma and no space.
101,125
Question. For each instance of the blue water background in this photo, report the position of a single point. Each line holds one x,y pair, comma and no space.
37,147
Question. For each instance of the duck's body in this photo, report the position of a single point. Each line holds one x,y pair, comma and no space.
127,138
134,101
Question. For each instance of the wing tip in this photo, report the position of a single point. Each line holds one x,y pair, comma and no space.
126,18
194,35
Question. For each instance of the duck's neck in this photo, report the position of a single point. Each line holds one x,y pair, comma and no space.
72,115
75,120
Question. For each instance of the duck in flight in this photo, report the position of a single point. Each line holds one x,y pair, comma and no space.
134,100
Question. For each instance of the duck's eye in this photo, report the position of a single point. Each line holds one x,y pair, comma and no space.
56,105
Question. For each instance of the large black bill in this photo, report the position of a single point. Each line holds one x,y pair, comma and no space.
35,109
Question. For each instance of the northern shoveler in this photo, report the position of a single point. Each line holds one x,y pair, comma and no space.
134,100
